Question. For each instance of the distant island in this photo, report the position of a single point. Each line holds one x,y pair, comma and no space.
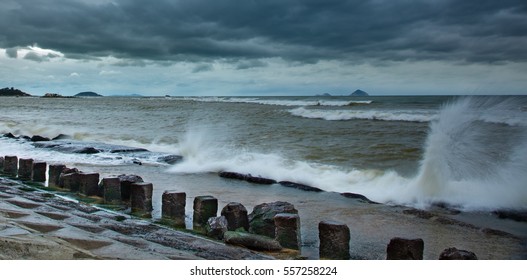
12,92
359,93
87,94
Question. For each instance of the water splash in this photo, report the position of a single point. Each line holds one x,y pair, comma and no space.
476,156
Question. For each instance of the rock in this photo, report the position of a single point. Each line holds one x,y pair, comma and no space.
87,150
236,215
288,230
251,241
456,254
141,199
54,174
170,159
261,220
61,137
216,227
205,207
173,208
25,168
9,135
299,186
334,240
11,165
259,180
247,177
39,171
232,175
518,216
359,197
38,138
405,249
126,183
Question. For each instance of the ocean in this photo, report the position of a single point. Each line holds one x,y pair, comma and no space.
468,153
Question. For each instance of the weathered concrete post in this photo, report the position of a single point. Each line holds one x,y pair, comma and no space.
25,168
54,174
111,190
11,165
334,240
126,185
69,179
39,171
288,230
141,199
236,215
173,208
205,207
1,164
405,249
89,183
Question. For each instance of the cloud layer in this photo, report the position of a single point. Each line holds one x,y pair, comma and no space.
300,31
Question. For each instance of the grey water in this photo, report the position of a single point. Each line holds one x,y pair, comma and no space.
467,152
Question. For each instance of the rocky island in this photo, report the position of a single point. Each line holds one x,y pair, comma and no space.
88,94
12,92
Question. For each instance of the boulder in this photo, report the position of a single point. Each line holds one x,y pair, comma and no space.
299,186
61,137
251,241
519,216
246,177
216,227
261,220
9,135
38,138
405,249
87,150
170,159
456,254
358,197
236,215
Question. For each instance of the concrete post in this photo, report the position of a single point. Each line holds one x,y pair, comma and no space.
288,230
205,207
11,165
141,199
89,184
334,240
111,190
54,174
405,249
173,208
39,171
25,168
69,181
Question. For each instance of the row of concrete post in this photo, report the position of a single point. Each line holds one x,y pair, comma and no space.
334,237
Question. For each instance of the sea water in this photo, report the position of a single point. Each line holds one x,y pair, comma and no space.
469,153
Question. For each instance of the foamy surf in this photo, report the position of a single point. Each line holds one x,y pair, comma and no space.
343,115
469,162
280,102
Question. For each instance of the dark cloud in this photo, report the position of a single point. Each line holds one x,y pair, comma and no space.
202,68
244,31
12,52
34,56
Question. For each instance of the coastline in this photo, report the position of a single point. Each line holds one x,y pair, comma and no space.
39,225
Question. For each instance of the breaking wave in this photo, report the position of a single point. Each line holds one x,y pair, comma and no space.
342,115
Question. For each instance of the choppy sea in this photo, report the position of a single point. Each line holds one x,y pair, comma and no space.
469,153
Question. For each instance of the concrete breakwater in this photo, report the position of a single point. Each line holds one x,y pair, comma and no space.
270,227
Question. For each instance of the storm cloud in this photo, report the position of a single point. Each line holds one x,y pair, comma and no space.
472,31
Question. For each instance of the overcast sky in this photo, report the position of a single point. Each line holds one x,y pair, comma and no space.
264,47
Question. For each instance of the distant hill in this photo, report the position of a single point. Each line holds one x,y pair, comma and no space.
324,94
12,92
359,93
87,94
